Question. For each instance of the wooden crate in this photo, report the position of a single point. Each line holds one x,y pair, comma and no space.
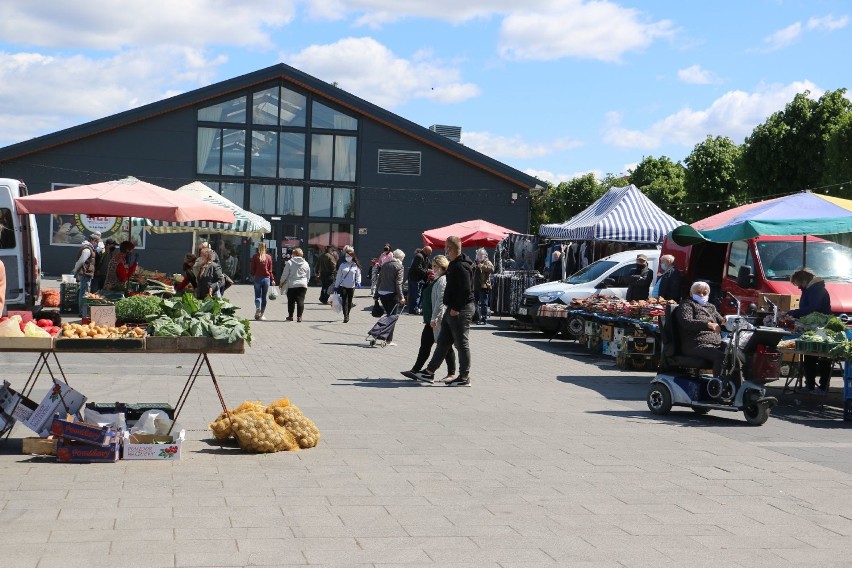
39,446
154,344
26,343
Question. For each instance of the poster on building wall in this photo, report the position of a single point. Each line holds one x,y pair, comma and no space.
71,230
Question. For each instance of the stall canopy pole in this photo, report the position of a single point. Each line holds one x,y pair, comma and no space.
804,251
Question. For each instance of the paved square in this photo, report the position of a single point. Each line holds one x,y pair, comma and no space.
551,458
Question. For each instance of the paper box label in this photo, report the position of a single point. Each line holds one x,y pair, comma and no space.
147,447
82,432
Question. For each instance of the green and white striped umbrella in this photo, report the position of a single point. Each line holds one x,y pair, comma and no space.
247,224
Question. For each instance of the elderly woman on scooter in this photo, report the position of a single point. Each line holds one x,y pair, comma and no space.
701,326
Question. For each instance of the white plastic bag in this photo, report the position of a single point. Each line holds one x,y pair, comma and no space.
155,422
273,293
336,303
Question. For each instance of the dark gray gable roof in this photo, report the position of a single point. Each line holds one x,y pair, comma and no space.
279,71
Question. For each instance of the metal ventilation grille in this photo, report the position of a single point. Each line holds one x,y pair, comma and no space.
451,132
399,162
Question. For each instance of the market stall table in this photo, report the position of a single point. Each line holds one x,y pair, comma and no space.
48,348
793,380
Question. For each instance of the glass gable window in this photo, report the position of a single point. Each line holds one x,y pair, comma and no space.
293,108
291,158
233,152
325,117
264,108
264,153
343,203
333,157
291,200
221,151
262,199
228,111
234,192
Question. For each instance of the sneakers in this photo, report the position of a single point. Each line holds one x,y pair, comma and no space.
262,317
289,318
421,376
257,314
459,382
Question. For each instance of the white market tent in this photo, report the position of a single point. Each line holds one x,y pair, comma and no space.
622,214
246,223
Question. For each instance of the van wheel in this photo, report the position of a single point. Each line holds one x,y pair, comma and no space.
659,399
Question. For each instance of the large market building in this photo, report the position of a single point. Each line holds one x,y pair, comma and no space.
325,167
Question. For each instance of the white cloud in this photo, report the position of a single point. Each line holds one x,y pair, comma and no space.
371,71
378,12
828,23
502,147
696,75
49,93
595,30
734,114
557,178
117,24
783,37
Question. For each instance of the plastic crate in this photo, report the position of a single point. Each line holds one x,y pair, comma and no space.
68,301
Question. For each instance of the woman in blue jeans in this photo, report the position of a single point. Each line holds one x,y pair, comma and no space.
261,269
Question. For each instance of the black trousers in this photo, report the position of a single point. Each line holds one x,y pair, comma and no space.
454,333
296,296
346,295
427,340
325,282
817,366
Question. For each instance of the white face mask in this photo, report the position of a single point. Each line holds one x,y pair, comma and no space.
348,258
700,299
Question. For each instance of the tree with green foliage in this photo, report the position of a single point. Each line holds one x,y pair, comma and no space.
661,180
787,152
838,158
712,178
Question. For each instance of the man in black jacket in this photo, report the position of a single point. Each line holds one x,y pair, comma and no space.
417,275
458,297
639,282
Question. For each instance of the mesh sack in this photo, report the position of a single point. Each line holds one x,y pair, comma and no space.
221,427
257,432
291,418
280,403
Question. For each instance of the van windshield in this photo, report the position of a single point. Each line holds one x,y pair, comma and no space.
780,259
591,273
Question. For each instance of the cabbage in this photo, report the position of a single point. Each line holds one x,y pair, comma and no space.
11,327
32,330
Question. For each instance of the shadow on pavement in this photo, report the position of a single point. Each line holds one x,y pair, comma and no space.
379,383
681,416
616,387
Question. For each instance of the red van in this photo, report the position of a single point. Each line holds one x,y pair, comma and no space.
763,265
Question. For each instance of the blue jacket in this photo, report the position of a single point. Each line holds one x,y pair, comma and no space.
815,298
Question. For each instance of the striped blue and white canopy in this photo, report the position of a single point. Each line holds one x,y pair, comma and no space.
247,224
622,214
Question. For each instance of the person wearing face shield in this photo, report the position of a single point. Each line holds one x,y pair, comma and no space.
701,326
815,298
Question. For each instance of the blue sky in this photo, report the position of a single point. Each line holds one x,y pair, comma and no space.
555,88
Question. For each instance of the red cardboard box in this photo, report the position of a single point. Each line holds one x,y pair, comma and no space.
89,434
70,451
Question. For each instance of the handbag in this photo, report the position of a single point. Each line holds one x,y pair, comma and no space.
377,311
273,293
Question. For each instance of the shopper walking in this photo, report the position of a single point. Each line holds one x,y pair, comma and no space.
433,313
84,269
294,279
417,278
211,280
348,278
455,325
325,271
261,270
482,271
389,289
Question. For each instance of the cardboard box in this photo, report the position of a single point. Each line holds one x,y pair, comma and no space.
60,399
606,332
610,348
618,334
90,434
70,451
39,446
149,447
785,302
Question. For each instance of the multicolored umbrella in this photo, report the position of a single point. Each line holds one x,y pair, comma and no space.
803,213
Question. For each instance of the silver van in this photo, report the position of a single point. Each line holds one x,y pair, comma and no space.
20,250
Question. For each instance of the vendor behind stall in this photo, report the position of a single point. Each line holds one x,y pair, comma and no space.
639,281
815,298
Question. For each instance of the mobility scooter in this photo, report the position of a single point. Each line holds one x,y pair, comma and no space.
751,361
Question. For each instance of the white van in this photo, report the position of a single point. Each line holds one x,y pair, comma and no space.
20,250
607,277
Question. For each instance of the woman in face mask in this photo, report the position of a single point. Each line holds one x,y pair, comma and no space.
348,278
701,326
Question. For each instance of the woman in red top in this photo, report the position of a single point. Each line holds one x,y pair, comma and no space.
261,270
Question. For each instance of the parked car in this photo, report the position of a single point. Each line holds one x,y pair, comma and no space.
607,276
20,250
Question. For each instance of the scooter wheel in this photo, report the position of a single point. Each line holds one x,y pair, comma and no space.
659,399
756,414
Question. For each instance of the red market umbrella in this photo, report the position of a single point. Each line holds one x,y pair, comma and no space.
128,197
476,233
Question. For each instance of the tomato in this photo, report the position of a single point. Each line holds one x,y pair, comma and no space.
23,325
44,323
4,318
53,330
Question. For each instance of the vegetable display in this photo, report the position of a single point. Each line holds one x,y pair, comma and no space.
138,308
190,317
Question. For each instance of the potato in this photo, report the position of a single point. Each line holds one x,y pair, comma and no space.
68,333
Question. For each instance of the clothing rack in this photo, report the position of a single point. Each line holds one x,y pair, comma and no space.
507,291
